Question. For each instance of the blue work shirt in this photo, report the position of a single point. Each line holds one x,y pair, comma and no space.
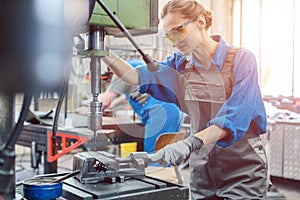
245,105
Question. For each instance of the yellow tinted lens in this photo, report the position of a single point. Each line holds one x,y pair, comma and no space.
177,35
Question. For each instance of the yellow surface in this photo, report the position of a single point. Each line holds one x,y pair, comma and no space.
127,148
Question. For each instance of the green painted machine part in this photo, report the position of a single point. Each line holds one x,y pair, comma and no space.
140,17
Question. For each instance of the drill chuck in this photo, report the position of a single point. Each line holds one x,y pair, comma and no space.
95,116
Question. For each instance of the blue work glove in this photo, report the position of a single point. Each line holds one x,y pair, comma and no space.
177,152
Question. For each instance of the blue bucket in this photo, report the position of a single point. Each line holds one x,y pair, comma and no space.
41,189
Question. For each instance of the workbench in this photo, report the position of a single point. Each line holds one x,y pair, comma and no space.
112,133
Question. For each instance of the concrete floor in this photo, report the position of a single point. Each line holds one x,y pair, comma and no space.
282,188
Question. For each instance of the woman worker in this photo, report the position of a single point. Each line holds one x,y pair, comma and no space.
218,85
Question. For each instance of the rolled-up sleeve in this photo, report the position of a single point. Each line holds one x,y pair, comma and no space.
245,105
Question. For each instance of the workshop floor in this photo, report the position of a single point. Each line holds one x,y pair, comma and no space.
283,189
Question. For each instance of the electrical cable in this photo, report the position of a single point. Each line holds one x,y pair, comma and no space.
15,133
59,103
58,108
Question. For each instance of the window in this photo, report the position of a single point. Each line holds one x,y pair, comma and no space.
271,29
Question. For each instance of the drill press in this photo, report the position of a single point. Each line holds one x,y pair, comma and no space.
104,20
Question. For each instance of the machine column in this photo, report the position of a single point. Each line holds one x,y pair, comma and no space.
7,176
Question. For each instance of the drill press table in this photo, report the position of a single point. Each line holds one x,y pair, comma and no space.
141,188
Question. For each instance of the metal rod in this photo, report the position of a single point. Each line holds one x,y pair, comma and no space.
66,177
121,27
151,65
95,143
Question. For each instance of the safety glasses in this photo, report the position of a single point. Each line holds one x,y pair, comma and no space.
178,33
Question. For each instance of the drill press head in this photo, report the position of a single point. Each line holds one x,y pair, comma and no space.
139,15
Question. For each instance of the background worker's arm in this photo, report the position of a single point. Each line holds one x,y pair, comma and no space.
122,69
106,98
118,101
114,94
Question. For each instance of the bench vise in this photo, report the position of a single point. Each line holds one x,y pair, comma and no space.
100,166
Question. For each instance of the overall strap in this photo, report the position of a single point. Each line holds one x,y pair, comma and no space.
229,61
227,67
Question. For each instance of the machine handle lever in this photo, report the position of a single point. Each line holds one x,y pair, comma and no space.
151,65
65,177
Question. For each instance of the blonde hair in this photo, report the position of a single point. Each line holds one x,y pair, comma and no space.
189,9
